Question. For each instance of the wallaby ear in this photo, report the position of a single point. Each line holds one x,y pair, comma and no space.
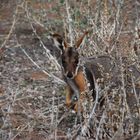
80,41
59,41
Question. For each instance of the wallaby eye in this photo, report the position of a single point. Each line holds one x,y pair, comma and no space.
74,98
63,62
76,61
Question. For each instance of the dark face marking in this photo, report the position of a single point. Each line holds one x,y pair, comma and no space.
70,59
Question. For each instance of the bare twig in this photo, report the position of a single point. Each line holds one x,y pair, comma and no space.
12,26
48,54
20,131
56,79
69,20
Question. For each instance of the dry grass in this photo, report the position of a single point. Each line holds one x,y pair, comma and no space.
32,95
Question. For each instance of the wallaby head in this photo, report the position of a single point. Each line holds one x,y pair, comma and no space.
70,55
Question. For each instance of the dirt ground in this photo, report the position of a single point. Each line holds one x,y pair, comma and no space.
32,90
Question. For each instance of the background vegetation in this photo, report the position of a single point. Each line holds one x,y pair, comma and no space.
32,95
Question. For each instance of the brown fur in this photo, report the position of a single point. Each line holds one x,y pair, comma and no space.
68,96
81,83
76,82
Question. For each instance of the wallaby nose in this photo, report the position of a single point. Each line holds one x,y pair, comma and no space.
69,75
